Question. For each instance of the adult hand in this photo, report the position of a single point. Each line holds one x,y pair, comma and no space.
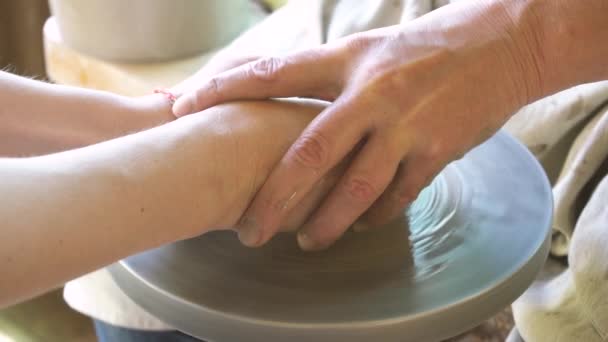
247,139
216,65
406,99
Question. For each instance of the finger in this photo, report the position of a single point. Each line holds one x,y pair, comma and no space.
412,176
364,182
310,203
299,214
327,140
215,66
315,73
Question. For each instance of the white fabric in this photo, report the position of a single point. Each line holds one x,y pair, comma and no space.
97,295
567,132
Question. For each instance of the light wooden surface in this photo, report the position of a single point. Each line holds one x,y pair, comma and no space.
45,319
67,66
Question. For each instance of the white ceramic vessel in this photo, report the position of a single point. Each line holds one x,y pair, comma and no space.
150,30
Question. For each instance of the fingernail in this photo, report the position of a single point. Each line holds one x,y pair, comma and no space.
182,106
305,242
249,233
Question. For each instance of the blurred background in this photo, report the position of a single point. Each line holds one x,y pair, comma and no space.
21,36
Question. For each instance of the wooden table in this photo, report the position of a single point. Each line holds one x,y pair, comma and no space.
66,66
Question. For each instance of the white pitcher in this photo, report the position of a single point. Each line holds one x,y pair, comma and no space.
150,30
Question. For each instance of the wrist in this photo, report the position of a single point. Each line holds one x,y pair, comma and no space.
173,176
158,185
496,35
150,111
519,50
566,38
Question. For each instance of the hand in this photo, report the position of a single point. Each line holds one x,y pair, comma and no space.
406,99
249,138
217,64
149,111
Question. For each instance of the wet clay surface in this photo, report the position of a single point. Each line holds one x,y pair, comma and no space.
468,247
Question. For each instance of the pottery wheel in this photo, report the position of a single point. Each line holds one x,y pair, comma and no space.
470,244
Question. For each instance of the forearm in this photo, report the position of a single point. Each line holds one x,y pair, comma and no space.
67,214
38,118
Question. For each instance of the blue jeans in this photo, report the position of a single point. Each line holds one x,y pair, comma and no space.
111,333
